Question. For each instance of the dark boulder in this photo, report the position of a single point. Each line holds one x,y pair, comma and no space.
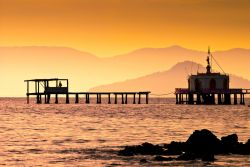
230,144
203,141
187,156
243,149
247,147
208,157
144,149
175,148
149,149
127,151
230,139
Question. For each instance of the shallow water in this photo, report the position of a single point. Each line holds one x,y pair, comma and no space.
91,134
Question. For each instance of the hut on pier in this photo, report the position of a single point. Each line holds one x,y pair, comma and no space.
206,88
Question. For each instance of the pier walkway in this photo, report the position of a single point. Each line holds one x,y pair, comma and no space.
44,88
206,96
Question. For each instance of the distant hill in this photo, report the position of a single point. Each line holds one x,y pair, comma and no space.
166,81
86,70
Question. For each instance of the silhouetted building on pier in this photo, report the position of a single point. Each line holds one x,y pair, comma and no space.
209,87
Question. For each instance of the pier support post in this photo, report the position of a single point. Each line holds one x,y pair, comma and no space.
134,99
240,98
56,99
219,99
115,98
190,98
109,99
28,99
45,99
146,98
227,98
176,98
243,99
38,99
67,98
235,99
48,99
87,98
100,98
122,99
198,99
212,99
139,100
77,98
182,98
179,98
97,98
126,98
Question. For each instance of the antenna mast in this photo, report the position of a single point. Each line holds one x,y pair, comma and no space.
210,55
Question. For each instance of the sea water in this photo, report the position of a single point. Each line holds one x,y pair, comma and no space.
91,134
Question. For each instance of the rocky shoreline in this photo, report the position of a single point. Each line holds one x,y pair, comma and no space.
201,144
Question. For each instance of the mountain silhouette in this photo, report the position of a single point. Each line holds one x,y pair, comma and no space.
165,82
85,70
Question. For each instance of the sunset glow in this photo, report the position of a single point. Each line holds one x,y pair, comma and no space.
112,27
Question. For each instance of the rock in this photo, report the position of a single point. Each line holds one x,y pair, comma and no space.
230,139
187,156
143,161
144,149
161,158
127,151
243,149
149,149
175,148
230,143
203,141
208,157
247,147
202,144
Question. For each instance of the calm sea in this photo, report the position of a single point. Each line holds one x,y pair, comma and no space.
91,134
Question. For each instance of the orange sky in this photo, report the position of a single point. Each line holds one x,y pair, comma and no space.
112,27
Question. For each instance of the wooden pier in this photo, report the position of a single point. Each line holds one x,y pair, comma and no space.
54,87
220,97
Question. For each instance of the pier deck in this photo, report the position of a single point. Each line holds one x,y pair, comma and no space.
46,88
184,96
